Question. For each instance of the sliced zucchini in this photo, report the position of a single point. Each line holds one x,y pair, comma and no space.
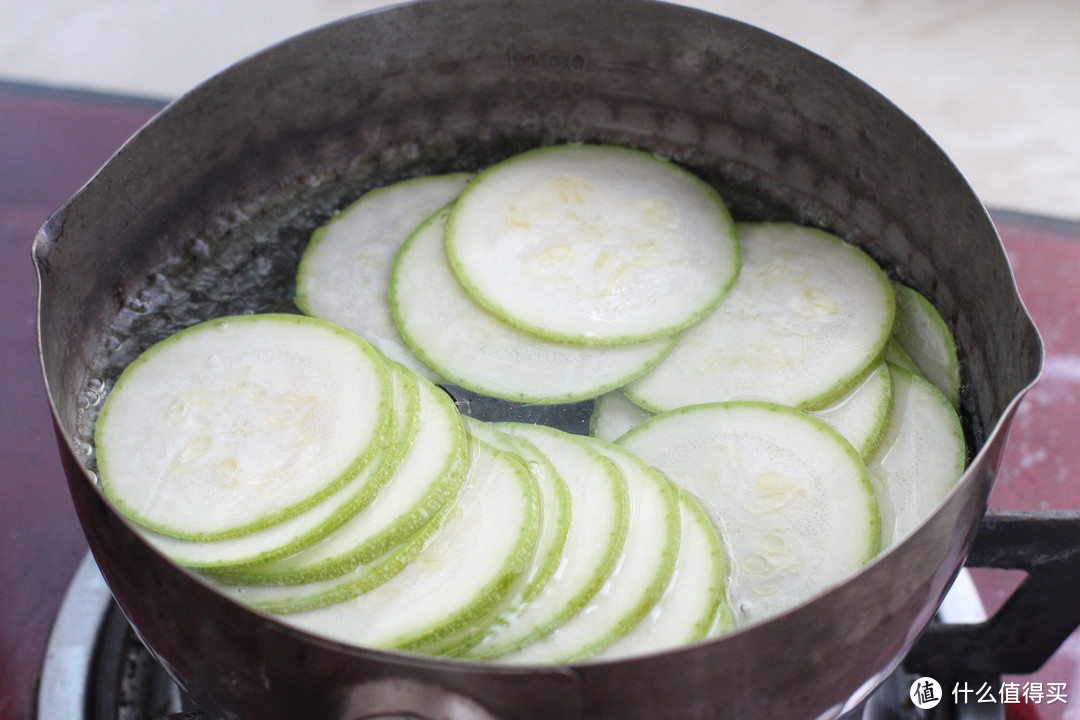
344,274
592,244
239,423
464,576
640,576
896,355
472,348
804,322
236,555
429,476
694,604
921,457
614,415
554,504
790,496
314,594
925,337
598,529
862,415
276,541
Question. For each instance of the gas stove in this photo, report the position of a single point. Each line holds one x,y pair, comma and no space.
66,652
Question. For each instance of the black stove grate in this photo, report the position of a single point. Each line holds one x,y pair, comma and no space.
1034,621
125,681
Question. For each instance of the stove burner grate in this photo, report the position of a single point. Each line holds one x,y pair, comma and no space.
126,681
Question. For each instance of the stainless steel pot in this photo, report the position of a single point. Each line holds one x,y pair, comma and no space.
234,174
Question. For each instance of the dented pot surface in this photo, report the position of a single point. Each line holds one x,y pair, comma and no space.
259,155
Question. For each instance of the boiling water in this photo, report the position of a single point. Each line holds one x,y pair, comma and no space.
249,269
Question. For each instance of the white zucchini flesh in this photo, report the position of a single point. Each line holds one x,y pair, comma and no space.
639,578
592,244
806,318
790,497
240,422
236,554
862,415
921,457
925,337
554,505
598,529
694,604
472,348
614,415
429,476
344,273
460,578
276,541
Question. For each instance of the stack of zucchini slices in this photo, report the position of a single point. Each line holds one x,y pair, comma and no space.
769,411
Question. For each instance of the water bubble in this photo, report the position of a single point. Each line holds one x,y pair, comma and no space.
137,303
198,248
262,266
113,340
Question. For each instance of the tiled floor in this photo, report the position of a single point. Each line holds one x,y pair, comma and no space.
991,80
